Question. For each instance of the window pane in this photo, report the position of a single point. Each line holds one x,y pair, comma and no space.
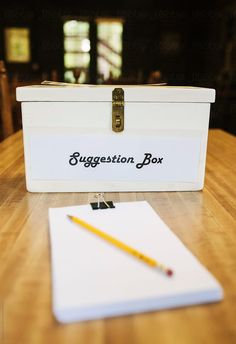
69,76
109,48
17,45
76,44
107,68
114,58
73,60
111,32
74,27
76,51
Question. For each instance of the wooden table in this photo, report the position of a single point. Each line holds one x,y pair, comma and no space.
205,222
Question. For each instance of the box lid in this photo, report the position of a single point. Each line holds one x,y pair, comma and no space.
132,93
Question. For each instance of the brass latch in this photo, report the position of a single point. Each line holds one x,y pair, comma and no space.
118,110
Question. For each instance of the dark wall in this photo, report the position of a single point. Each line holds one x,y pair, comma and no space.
46,39
191,46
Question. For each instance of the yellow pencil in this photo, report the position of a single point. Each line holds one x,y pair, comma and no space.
145,259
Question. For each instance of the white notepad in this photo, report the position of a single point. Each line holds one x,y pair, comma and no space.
93,279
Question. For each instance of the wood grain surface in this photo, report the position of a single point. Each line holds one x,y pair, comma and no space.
205,221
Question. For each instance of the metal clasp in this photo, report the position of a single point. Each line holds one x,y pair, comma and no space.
118,110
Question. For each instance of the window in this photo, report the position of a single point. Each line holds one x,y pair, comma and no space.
109,48
77,56
17,45
76,51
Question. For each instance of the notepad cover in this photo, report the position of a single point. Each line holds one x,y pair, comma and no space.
92,279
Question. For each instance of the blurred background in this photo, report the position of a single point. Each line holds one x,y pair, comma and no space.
181,43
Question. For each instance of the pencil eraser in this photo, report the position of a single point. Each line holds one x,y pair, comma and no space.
169,272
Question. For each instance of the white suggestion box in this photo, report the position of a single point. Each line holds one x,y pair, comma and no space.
85,138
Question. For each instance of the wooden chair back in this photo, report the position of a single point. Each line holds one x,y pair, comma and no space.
7,127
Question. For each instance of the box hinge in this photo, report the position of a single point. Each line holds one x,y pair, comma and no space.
118,110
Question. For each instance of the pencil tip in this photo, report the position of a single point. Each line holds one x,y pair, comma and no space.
69,216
